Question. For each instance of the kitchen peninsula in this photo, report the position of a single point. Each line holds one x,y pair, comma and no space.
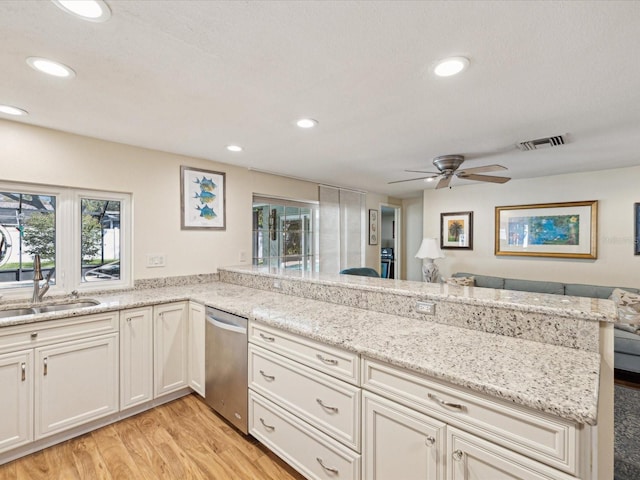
522,377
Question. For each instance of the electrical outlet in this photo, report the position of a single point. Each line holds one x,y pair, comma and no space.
428,308
156,260
243,256
277,285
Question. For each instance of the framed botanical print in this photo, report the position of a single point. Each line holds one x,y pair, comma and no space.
456,230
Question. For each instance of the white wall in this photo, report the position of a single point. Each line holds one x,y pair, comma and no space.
616,191
39,155
412,221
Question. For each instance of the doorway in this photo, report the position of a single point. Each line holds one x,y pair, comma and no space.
390,251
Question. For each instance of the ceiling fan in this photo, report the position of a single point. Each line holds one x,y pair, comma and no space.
448,167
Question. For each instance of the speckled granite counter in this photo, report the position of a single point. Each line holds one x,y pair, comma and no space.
549,378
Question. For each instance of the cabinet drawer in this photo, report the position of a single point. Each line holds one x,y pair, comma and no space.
471,458
306,449
44,333
334,361
328,404
544,437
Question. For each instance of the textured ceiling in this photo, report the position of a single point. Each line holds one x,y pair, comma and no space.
193,76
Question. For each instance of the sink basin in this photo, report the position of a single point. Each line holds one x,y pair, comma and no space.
66,306
16,312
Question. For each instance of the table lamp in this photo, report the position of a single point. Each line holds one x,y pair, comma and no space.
430,250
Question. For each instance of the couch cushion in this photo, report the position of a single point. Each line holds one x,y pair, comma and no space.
483,281
593,291
533,286
461,281
626,342
623,361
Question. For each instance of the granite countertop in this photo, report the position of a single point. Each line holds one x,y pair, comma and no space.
595,309
548,378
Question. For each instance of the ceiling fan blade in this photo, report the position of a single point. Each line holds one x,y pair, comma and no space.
411,179
422,171
486,168
485,178
444,182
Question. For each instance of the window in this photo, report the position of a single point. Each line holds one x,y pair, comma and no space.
285,234
82,237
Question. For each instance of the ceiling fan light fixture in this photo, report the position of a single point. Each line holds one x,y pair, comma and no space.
430,179
90,10
307,123
50,67
234,148
450,66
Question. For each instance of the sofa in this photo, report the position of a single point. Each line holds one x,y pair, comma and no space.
626,343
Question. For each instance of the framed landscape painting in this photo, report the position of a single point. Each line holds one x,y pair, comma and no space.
456,230
202,199
567,230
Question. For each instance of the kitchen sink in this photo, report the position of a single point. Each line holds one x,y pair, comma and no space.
56,307
66,306
16,312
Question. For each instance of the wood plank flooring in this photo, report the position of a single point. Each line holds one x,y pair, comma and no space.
183,439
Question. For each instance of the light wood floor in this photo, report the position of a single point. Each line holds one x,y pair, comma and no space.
183,439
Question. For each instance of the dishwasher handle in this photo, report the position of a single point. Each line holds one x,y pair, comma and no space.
226,326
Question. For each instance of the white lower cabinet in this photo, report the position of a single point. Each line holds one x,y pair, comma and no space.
400,443
136,356
196,347
16,400
75,382
314,454
170,332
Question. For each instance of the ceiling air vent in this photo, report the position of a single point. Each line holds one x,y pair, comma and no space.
541,142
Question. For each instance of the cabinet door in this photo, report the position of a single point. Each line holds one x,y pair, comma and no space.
196,347
75,382
170,331
16,401
470,458
401,443
136,357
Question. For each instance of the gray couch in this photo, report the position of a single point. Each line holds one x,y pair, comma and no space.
626,344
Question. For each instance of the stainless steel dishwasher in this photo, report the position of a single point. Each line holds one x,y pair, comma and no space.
226,366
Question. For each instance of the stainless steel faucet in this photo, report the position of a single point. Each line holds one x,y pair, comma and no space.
38,291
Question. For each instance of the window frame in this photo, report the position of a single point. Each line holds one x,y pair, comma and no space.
68,238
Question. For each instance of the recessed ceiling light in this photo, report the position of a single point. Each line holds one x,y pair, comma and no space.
91,10
234,148
307,123
9,110
451,66
50,67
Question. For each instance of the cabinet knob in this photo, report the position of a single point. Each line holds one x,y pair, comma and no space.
429,441
34,335
458,455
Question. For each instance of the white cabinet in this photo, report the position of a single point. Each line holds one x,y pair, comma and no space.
75,382
470,458
170,333
196,347
16,400
401,443
136,356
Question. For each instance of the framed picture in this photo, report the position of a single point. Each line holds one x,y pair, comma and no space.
567,230
636,247
456,230
373,227
202,199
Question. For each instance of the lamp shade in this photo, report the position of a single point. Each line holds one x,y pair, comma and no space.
429,248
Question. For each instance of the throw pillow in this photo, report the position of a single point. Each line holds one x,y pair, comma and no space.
628,308
462,281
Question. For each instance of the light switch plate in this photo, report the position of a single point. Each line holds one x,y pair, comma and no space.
428,308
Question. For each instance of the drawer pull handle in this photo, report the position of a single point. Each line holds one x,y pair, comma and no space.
23,367
326,407
328,361
429,441
271,428
457,455
328,469
267,338
453,406
46,365
34,335
271,378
